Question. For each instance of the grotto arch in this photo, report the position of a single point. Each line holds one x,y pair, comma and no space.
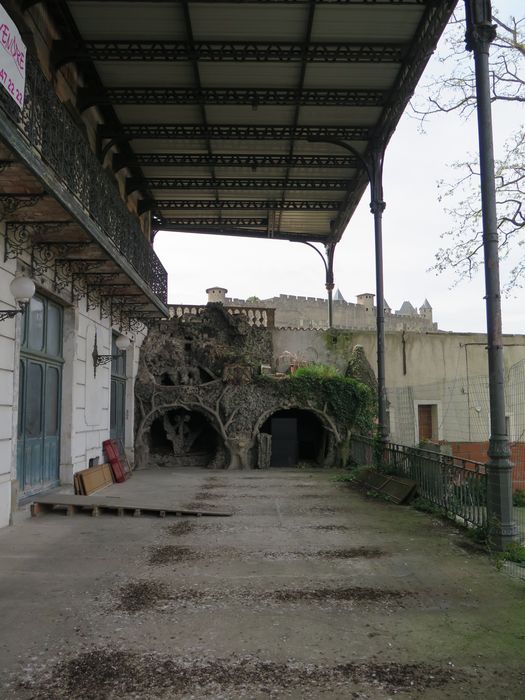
181,435
288,435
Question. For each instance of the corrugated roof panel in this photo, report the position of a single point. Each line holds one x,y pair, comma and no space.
254,146
248,75
371,22
370,76
344,116
161,114
249,22
132,20
142,74
245,114
169,146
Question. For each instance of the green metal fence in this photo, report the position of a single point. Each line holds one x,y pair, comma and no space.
457,485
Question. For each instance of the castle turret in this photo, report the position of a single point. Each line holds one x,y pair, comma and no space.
366,300
425,310
217,294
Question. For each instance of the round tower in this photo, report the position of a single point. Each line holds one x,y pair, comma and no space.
217,294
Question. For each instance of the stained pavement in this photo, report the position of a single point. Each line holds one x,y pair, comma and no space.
309,590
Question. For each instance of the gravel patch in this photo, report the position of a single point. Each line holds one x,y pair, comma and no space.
184,527
135,596
139,596
330,528
100,673
348,553
170,553
338,594
198,505
205,495
352,553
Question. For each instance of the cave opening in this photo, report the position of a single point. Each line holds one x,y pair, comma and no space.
297,435
180,438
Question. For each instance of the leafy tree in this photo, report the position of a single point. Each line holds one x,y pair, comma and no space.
454,91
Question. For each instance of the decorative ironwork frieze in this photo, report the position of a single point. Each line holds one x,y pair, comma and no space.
237,183
233,160
236,132
249,222
319,97
260,51
242,204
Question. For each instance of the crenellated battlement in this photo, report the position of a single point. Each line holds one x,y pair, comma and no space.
303,312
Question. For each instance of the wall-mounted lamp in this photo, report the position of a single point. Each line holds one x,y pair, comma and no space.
122,343
23,290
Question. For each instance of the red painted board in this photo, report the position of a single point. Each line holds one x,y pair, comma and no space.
113,457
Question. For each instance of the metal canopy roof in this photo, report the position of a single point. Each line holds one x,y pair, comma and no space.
212,104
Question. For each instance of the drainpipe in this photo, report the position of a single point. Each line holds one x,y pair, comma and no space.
480,32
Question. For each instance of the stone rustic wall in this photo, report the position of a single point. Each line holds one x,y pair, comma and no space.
208,365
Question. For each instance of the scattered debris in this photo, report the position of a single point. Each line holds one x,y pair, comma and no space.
205,495
329,528
362,594
352,553
169,553
348,553
184,527
134,596
110,672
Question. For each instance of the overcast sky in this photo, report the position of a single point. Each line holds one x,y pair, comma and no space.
412,224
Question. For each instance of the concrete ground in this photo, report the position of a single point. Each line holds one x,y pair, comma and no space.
309,590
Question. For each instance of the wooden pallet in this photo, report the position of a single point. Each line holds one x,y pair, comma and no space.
98,505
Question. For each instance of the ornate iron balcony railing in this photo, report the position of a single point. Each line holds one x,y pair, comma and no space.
48,128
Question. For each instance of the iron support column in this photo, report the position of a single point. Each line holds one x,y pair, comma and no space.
328,263
373,165
377,207
330,250
479,35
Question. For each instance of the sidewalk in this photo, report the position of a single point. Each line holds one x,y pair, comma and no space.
309,590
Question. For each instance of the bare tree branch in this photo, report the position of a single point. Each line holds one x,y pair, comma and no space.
454,91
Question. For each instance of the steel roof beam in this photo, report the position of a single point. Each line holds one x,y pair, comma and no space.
368,3
232,160
64,51
236,132
255,97
240,204
235,183
222,229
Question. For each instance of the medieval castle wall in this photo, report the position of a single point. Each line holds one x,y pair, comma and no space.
311,312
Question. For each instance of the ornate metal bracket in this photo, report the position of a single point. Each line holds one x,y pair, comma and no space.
11,202
99,360
12,313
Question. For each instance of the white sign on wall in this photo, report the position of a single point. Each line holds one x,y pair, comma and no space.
12,59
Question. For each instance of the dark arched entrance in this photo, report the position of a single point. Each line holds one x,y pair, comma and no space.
180,438
297,435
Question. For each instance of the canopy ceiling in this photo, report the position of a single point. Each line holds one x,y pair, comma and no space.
213,105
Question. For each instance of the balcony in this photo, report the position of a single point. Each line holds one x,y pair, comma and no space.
50,172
